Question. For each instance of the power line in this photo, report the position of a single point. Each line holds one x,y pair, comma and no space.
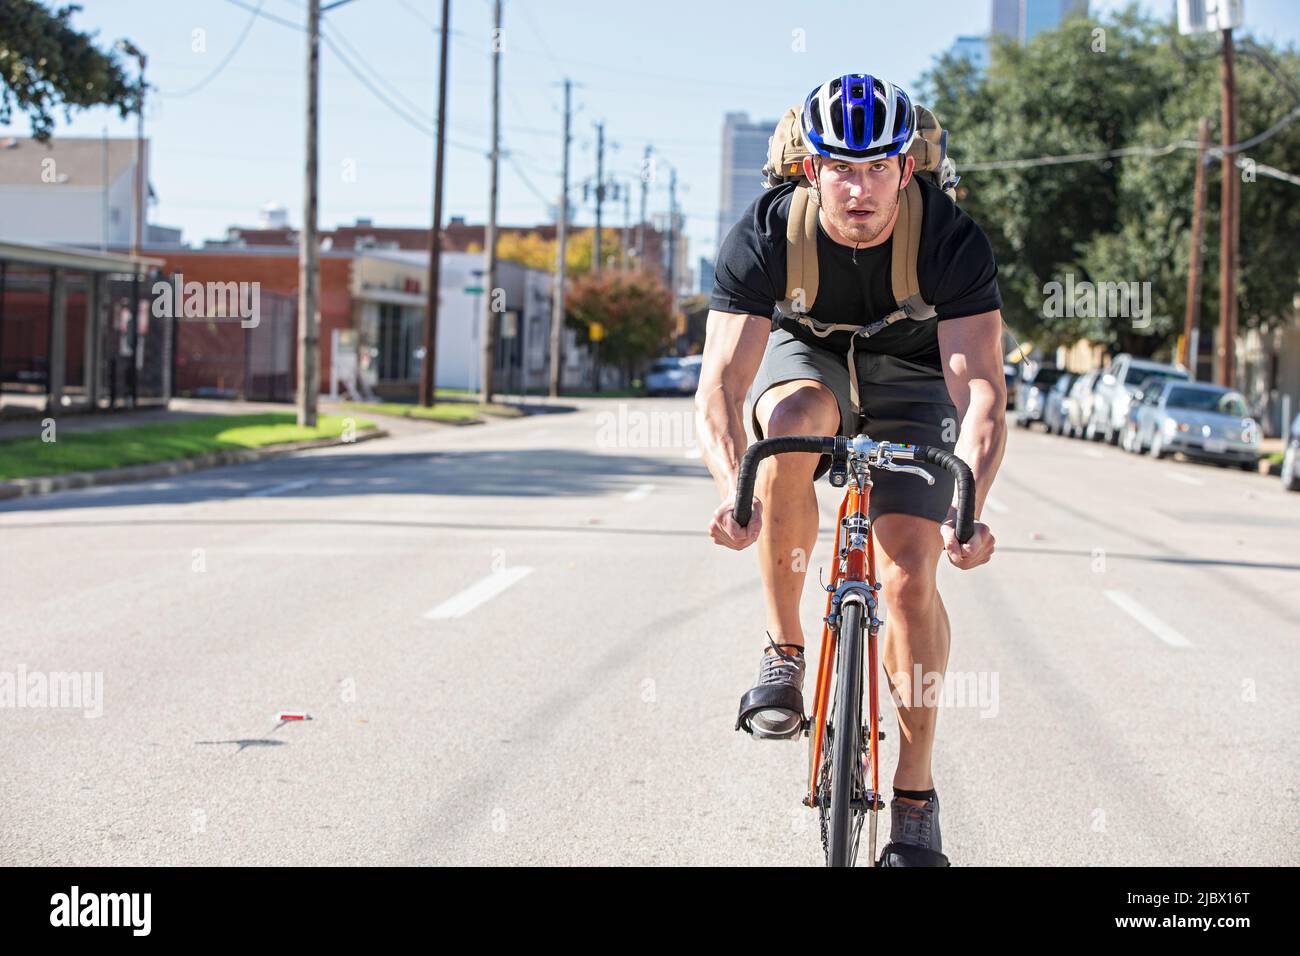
1148,151
225,61
416,108
378,94
259,12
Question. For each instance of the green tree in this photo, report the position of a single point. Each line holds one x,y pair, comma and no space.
635,311
1100,85
45,63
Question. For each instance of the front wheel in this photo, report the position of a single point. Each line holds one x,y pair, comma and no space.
847,784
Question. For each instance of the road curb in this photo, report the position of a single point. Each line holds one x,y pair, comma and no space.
22,487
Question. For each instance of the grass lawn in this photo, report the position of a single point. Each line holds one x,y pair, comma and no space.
455,410
118,447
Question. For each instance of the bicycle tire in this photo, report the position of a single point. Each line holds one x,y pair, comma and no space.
846,755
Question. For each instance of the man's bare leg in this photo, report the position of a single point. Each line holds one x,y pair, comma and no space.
916,632
785,486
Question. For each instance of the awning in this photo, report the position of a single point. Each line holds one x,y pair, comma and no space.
69,257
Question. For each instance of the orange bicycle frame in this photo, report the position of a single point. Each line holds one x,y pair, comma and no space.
848,565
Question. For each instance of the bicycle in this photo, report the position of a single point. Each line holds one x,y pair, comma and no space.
841,748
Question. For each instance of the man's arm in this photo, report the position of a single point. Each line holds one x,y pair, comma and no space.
733,351
971,351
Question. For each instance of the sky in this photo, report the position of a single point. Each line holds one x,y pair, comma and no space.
229,138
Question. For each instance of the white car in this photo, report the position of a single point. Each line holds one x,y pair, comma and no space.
1118,387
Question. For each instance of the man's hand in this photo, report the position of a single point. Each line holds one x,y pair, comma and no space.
724,530
974,552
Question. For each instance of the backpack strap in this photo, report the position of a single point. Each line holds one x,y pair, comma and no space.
907,244
801,274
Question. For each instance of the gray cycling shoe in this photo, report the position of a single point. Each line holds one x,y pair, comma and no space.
914,838
773,707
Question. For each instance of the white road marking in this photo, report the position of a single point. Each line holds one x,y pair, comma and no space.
1185,479
478,593
639,492
1148,620
1091,452
996,506
279,489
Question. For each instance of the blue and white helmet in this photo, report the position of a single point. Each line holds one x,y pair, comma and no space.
857,117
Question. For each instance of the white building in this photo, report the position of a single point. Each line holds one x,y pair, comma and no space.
74,192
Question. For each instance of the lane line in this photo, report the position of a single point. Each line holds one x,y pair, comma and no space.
1148,620
1185,479
995,505
1091,452
280,489
639,492
478,593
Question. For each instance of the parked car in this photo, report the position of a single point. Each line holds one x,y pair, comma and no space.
1116,391
1078,403
1054,406
1203,421
1031,394
672,375
1291,459
1139,412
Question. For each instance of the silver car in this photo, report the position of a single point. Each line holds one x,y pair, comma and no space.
1291,459
1078,403
1054,405
1203,421
1116,391
673,376
1139,415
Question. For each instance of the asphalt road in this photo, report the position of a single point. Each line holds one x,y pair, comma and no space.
518,646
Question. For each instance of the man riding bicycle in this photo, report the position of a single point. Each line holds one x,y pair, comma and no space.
936,381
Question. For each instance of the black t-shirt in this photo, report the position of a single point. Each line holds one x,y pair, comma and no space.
955,269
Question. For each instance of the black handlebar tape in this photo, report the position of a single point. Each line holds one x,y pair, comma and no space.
743,509
965,486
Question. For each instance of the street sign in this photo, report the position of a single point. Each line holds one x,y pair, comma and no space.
1209,16
474,289
596,331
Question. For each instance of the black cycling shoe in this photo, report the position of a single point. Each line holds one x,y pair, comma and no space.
773,707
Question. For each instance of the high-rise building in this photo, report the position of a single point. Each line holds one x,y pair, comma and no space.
974,50
1021,20
744,152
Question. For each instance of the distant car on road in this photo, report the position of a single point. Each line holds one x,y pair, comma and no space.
1139,412
1291,459
1116,391
1078,403
1202,421
1054,405
672,375
1012,374
1031,394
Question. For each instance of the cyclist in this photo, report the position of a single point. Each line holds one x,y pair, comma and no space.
936,382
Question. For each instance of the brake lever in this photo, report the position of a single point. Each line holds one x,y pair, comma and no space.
908,469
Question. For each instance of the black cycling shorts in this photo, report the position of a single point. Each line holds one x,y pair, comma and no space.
902,401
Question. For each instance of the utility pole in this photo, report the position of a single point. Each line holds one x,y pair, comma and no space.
1191,321
308,245
561,244
1230,216
490,239
428,368
672,236
596,262
140,202
627,220
645,186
